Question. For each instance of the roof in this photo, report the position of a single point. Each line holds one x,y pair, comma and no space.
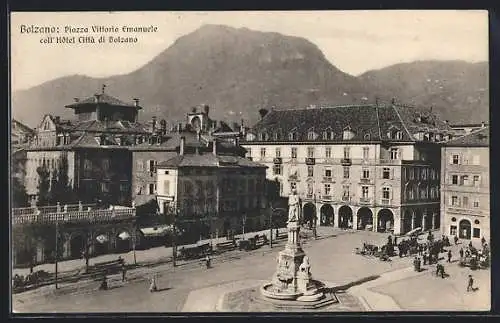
120,126
209,160
478,138
102,98
369,122
19,126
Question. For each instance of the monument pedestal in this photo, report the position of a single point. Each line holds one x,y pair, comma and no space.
293,279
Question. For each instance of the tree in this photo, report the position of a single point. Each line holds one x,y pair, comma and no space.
19,195
61,190
44,194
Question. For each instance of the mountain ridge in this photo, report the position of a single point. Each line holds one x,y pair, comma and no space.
236,71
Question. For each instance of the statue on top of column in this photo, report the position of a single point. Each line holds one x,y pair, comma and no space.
293,207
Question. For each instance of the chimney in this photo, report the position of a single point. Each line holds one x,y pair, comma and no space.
181,148
153,124
377,99
206,108
214,147
76,99
393,101
263,113
103,88
446,121
483,124
136,102
193,109
96,97
179,127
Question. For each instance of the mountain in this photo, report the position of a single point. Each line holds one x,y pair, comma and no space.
237,72
453,88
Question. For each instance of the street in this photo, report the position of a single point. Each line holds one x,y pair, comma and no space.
332,260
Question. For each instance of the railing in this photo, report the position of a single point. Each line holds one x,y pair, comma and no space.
390,161
366,181
309,196
277,160
365,200
326,197
385,201
346,198
76,216
346,161
464,210
50,209
310,161
327,179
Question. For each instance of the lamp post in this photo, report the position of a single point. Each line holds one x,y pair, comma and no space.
57,251
271,226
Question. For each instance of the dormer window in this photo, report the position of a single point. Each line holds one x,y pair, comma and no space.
399,135
348,133
277,135
427,137
328,134
367,136
292,135
311,135
119,141
97,139
250,137
263,136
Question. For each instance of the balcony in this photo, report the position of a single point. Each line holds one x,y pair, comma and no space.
366,181
346,198
326,197
89,216
346,161
365,200
310,161
385,201
390,161
461,210
327,179
309,196
277,160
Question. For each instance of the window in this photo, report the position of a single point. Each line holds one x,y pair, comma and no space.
394,153
399,135
364,192
476,221
454,200
464,180
309,189
424,174
277,135
367,136
293,186
278,152
455,159
411,194
433,174
310,171
454,179
346,171
105,187
140,166
386,193
366,153
328,189
453,219
328,152
152,165
294,152
328,173
87,164
476,203
465,201
292,136
311,135
345,191
412,173
453,230
475,160
476,233
249,152
105,165
386,173
328,134
151,189
310,152
277,169
166,187
476,180
347,152
366,173
263,153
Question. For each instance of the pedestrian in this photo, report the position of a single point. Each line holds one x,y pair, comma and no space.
470,245
461,253
483,241
415,264
104,283
438,269
442,271
456,240
395,241
470,284
207,261
449,255
425,258
152,285
124,271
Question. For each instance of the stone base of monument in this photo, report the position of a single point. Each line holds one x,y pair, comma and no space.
315,301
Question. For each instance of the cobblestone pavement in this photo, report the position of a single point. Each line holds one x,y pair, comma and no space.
332,260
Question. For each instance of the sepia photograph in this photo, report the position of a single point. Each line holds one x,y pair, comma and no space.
249,161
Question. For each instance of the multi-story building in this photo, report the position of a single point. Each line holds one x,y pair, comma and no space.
20,133
218,183
465,186
462,129
371,167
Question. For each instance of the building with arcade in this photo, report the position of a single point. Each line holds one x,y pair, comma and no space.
371,166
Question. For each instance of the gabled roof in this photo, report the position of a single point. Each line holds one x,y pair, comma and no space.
102,98
478,138
375,120
19,126
209,160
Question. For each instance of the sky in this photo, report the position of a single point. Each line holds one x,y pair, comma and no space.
354,41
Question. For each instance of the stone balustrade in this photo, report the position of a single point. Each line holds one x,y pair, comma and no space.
89,215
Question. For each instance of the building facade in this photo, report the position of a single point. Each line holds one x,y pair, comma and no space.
374,167
465,186
217,186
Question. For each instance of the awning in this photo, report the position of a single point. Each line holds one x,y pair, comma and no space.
156,231
124,235
102,238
